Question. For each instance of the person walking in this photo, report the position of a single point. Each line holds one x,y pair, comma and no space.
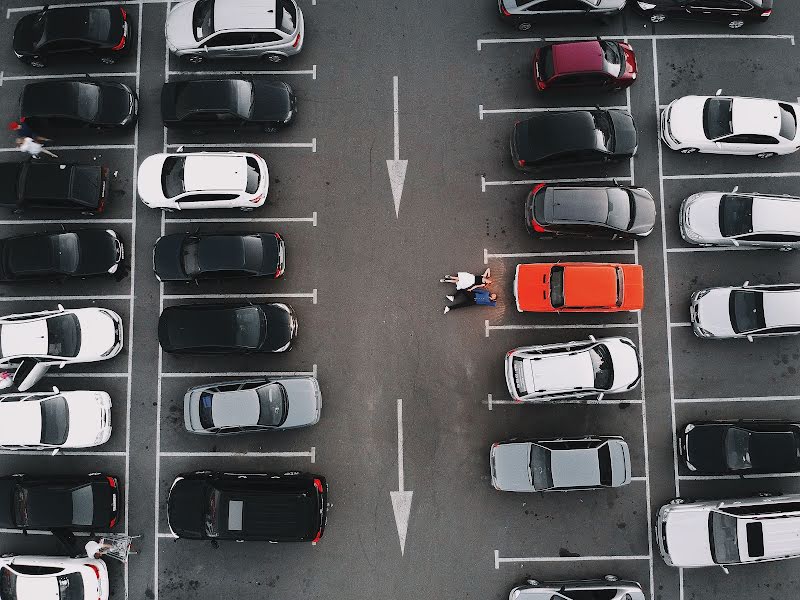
32,147
468,281
464,298
22,130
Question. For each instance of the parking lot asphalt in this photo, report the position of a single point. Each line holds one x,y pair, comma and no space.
365,284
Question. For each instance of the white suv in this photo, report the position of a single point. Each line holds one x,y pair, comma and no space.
729,532
268,29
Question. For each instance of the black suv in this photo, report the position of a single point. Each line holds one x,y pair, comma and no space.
287,507
55,186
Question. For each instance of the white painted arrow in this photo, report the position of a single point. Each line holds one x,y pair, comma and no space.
401,499
397,167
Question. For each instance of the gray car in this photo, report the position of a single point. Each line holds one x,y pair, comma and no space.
607,588
252,405
268,29
560,464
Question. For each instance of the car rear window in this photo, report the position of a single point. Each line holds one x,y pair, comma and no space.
70,587
788,121
286,16
83,505
86,186
557,286
717,118
55,420
735,215
546,67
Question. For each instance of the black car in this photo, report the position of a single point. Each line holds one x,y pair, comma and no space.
226,328
200,104
55,105
65,32
288,507
62,255
589,211
64,186
78,503
741,447
192,256
523,14
573,137
733,12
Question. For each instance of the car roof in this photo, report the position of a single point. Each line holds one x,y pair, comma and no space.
590,285
553,133
244,14
72,22
21,423
575,467
755,116
558,372
51,97
578,57
24,338
780,535
775,214
240,407
202,172
781,308
571,205
213,95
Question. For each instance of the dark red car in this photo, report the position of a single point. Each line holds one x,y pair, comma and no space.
602,64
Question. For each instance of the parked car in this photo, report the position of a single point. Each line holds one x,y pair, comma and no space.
52,420
202,180
56,577
58,256
572,137
226,328
583,210
64,32
272,30
562,464
523,14
598,64
72,502
735,12
578,287
729,532
288,507
609,587
739,219
66,104
252,405
195,256
740,447
573,370
33,342
731,125
230,104
749,311
54,186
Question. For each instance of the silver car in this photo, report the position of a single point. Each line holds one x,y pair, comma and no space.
748,312
743,220
560,464
252,405
607,588
268,29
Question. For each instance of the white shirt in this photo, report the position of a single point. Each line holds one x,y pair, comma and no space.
31,146
92,548
465,280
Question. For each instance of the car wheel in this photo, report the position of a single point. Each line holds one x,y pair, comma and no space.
108,60
524,26
195,59
765,154
274,58
37,62
736,24
658,18
688,150
611,578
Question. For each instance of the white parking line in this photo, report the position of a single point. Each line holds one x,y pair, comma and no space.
311,454
494,111
4,77
312,71
63,298
498,560
48,453
56,373
47,532
570,326
680,324
312,145
744,476
736,399
491,402
99,221
312,219
312,373
312,295
685,249
622,36
87,147
486,183
487,255
731,175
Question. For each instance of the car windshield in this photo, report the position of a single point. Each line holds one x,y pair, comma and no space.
557,286
190,253
66,250
737,449
55,421
286,16
602,122
8,584
253,176
723,538
273,405
604,462
621,209
211,517
717,118
20,508
63,335
206,415
788,121
735,215
747,311
203,19
541,473
612,55
546,67
88,101
251,327
172,183
601,366
70,587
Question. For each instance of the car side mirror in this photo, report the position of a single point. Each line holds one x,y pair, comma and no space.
735,189
180,149
55,390
725,569
749,338
592,338
54,452
746,283
735,242
719,91
600,396
60,307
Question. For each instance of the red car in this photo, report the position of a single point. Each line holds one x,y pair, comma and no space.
602,64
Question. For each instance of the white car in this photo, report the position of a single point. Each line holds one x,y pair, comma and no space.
34,342
48,420
731,125
268,29
52,578
573,370
203,180
743,220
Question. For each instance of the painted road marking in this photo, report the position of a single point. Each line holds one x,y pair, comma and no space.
498,560
312,71
486,183
700,36
494,111
487,255
312,295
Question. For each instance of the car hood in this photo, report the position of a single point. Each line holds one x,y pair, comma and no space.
89,415
713,312
620,463
645,216
7,503
687,538
179,31
700,214
686,119
98,333
116,105
23,34
98,251
274,101
510,464
167,261
279,327
625,141
305,401
148,180
625,361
